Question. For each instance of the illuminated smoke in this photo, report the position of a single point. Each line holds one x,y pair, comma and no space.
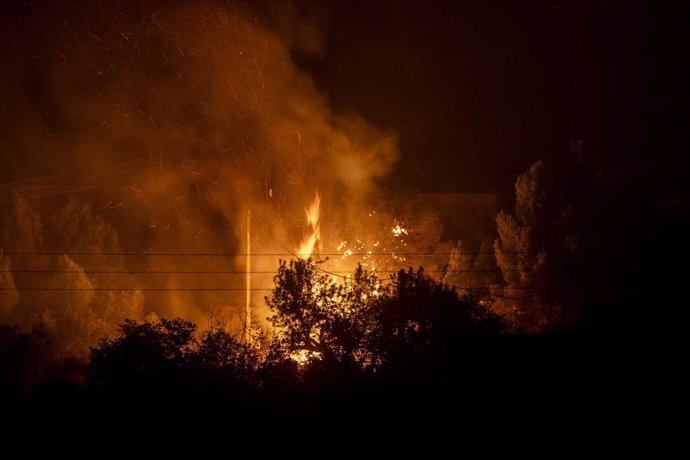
170,120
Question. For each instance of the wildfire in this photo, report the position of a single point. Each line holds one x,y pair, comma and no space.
377,245
308,244
399,231
303,357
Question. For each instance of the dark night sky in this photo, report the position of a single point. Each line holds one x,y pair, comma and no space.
479,90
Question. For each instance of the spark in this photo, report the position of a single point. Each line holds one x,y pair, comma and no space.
398,231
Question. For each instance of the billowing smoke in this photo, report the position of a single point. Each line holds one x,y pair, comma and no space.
156,126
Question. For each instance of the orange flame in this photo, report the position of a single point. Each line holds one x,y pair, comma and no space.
308,244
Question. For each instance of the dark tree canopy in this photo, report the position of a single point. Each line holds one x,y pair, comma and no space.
366,323
316,317
423,322
144,349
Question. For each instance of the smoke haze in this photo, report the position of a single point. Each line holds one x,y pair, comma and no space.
164,122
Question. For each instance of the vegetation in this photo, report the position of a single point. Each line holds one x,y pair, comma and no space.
74,308
334,339
357,327
539,246
330,339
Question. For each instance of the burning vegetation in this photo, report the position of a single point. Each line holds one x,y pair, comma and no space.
164,158
170,123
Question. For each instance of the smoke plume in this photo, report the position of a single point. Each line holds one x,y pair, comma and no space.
157,125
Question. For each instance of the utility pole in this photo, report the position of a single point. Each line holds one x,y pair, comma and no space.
248,306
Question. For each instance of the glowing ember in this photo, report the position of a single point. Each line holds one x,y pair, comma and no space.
303,357
399,231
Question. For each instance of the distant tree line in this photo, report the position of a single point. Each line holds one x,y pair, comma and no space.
562,252
561,257
325,335
413,324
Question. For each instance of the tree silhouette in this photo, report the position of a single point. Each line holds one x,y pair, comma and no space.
25,358
458,271
315,317
66,312
220,352
143,350
540,244
421,323
335,341
78,229
9,296
22,239
80,306
364,324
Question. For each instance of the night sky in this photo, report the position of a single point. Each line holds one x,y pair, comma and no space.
480,90
477,91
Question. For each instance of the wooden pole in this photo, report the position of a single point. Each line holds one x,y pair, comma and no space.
248,307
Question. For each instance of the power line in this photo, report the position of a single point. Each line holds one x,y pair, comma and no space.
265,254
134,289
143,272
520,299
130,289
29,192
45,195
228,272
91,172
33,288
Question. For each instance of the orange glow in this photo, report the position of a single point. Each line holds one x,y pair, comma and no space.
306,248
